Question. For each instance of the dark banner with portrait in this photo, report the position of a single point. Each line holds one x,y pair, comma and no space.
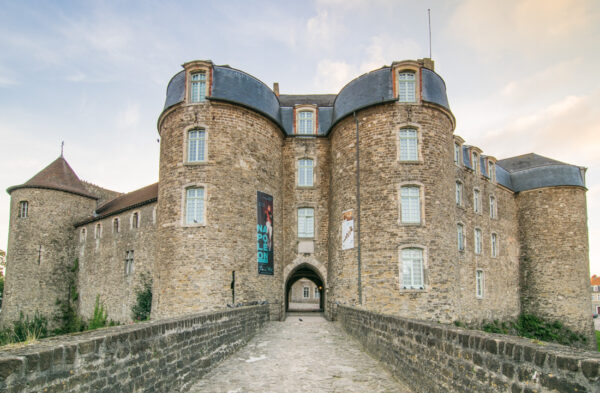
264,233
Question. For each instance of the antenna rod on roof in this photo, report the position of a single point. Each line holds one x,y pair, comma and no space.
62,148
429,19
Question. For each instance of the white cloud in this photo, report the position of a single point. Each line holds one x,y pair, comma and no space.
333,75
129,117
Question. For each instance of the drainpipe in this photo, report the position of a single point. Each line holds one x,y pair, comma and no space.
358,232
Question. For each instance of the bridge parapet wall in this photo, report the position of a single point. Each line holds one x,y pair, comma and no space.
159,356
432,358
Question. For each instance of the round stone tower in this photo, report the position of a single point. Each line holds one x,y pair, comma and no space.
553,234
39,256
405,132
216,156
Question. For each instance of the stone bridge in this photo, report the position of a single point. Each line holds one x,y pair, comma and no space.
240,350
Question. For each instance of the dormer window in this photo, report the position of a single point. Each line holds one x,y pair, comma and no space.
198,86
406,86
306,122
492,171
457,151
474,159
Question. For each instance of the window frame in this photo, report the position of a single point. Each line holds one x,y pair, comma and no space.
494,250
301,234
305,292
421,199
299,168
188,145
474,161
478,241
83,235
423,287
116,225
399,81
23,210
479,283
202,97
135,220
98,231
460,234
493,203
185,205
317,294
457,154
492,171
298,110
459,193
477,201
417,142
129,263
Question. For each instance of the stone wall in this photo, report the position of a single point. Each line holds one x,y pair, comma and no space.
555,256
162,356
432,358
102,260
40,255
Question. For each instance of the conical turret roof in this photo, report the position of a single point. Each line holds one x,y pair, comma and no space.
57,176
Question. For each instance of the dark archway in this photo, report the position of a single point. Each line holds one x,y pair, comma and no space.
308,272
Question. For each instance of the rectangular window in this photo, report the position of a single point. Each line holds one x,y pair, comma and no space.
476,201
23,209
196,145
411,205
412,268
305,172
492,171
406,87
474,160
457,154
479,282
194,206
478,241
306,222
306,123
317,294
408,145
198,87
461,237
306,293
494,245
459,192
492,207
128,262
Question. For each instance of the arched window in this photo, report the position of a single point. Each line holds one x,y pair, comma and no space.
194,206
492,171
410,204
474,161
492,206
494,241
409,144
23,209
116,225
406,86
412,268
306,123
82,235
135,220
98,231
198,86
479,283
196,145
305,172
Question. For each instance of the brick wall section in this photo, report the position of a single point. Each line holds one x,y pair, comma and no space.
555,256
102,262
193,267
36,279
433,358
162,356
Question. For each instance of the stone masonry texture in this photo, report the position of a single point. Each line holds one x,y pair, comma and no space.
163,356
432,358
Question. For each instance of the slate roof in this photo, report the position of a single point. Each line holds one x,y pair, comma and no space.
527,161
307,99
57,176
137,198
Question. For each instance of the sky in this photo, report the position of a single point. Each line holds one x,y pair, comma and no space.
521,76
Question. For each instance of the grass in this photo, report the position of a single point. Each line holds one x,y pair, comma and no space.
598,339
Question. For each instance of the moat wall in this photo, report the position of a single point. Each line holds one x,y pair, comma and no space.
434,358
163,356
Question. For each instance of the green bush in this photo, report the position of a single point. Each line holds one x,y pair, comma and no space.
67,318
100,317
598,339
25,329
141,309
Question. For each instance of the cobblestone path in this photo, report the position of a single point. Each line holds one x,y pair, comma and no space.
312,355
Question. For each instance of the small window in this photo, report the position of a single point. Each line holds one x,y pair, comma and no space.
82,235
412,268
306,125
23,209
129,263
406,87
116,225
305,172
459,193
474,159
306,293
198,87
479,282
411,205
457,150
492,171
306,222
135,220
98,231
478,241
194,206
476,201
196,145
317,294
494,245
461,237
409,145
492,206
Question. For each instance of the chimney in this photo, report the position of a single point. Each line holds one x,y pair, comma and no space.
428,63
276,88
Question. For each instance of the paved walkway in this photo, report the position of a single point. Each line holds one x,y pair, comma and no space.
312,355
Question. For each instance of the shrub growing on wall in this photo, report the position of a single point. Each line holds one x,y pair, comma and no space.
141,309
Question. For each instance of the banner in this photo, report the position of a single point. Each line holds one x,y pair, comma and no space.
264,233
347,230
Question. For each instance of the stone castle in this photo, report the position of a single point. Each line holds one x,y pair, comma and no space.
368,193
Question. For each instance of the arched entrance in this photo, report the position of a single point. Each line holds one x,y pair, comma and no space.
305,271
